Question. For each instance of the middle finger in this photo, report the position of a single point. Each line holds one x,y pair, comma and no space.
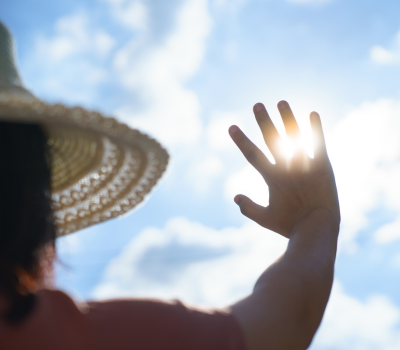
292,129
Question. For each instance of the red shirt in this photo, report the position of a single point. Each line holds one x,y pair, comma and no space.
57,322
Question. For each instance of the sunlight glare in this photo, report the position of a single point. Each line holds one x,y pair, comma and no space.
288,147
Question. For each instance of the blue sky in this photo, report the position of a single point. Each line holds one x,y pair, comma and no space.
183,71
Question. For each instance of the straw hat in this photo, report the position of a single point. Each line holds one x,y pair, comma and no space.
101,168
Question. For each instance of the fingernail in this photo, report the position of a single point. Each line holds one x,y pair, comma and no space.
258,107
236,199
282,105
233,129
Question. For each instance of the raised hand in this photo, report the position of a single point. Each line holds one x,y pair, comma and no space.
298,184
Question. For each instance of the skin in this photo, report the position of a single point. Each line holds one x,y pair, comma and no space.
290,297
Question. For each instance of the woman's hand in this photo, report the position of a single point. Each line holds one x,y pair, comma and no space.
297,185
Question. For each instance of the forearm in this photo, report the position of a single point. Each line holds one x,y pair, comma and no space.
311,251
289,298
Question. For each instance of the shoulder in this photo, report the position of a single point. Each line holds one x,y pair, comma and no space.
57,298
55,322
126,324
152,313
148,323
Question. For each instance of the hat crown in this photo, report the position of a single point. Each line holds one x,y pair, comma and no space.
9,76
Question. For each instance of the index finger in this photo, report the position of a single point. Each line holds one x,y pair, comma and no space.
291,127
251,152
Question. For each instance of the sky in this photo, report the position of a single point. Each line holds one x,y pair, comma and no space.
183,71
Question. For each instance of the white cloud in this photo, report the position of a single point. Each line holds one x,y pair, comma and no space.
202,172
70,38
68,65
249,182
351,324
384,56
217,135
158,75
132,14
364,148
197,264
74,36
388,233
75,65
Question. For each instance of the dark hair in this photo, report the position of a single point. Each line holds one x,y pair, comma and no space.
26,220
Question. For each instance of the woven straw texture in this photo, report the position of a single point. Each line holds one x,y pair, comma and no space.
101,168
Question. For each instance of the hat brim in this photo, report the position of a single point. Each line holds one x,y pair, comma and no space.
101,169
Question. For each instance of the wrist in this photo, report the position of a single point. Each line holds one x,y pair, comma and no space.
320,218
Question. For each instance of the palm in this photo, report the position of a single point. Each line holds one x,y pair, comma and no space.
296,185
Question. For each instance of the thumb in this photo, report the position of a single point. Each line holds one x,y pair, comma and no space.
250,209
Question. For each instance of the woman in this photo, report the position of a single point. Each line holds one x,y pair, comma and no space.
66,169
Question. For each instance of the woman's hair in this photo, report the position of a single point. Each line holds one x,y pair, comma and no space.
27,231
